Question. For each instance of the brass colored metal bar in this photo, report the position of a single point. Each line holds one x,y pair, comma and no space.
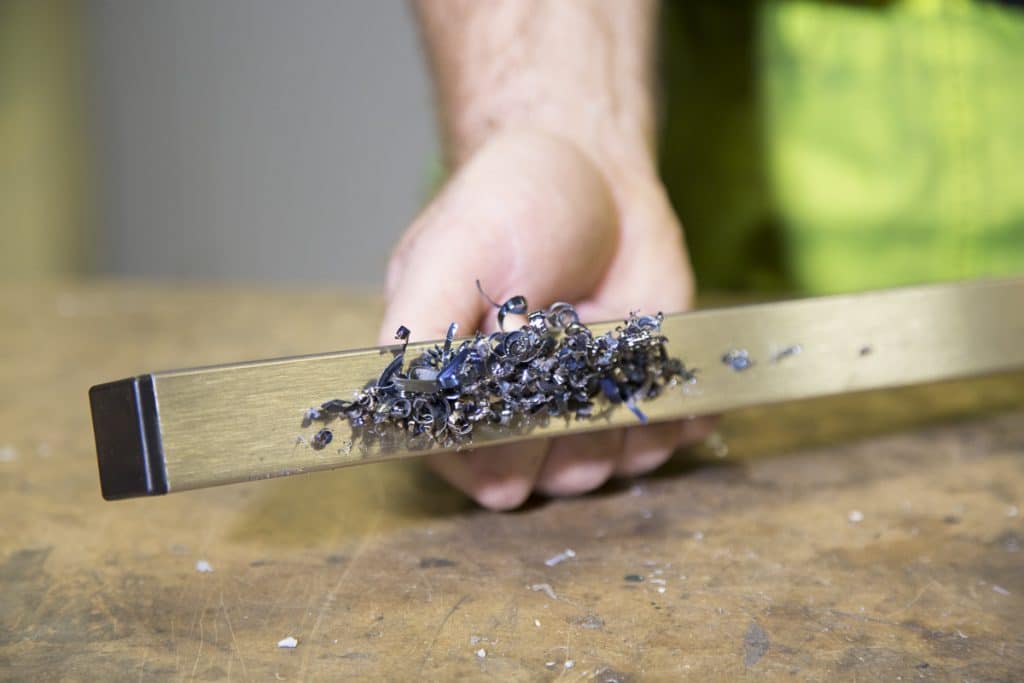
186,429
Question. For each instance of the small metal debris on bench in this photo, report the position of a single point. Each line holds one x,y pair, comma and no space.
561,557
855,516
290,642
204,567
591,621
544,588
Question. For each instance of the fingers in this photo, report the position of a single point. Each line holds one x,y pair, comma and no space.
649,447
584,462
499,477
502,477
580,463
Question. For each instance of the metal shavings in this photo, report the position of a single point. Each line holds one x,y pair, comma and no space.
310,415
855,516
204,567
516,305
290,642
633,578
785,353
1000,590
481,653
553,366
561,557
544,588
321,439
737,359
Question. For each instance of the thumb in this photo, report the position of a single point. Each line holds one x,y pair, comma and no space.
528,214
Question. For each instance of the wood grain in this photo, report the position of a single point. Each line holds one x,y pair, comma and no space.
383,573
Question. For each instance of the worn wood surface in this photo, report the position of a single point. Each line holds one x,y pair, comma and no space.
738,566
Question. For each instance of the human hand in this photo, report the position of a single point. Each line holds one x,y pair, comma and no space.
531,213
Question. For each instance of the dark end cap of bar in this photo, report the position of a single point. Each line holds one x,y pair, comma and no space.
128,445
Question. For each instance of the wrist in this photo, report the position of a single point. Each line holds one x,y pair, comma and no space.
620,145
577,71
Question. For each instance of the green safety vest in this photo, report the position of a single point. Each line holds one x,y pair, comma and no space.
840,146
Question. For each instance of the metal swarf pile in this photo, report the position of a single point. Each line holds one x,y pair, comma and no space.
553,366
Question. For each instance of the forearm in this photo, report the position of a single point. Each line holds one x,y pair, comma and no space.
581,70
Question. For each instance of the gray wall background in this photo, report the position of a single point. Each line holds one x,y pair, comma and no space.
256,139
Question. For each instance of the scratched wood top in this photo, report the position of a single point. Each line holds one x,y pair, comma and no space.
738,566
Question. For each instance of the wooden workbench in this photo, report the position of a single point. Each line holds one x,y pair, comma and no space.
875,536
